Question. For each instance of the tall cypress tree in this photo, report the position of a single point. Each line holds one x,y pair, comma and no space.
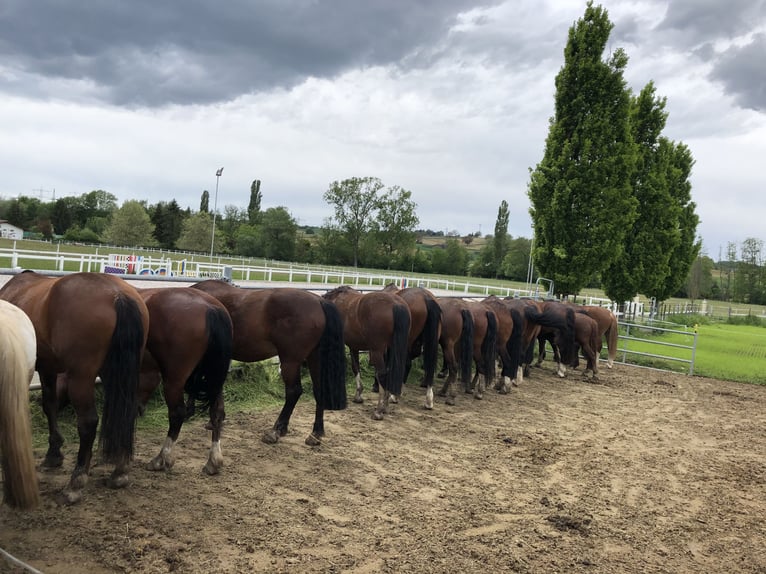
501,237
254,207
580,193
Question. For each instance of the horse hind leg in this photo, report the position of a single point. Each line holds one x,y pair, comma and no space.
215,457
177,411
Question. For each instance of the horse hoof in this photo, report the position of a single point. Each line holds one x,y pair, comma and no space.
394,399
377,416
450,401
313,440
119,481
358,399
156,464
270,437
428,407
478,396
68,497
53,461
211,469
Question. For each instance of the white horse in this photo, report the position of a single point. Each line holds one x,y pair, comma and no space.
18,352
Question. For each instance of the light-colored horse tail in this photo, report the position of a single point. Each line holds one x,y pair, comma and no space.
17,359
611,341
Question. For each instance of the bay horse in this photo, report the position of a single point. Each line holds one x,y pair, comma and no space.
425,326
456,342
297,326
607,327
529,332
588,338
189,349
18,350
509,345
378,322
484,346
87,325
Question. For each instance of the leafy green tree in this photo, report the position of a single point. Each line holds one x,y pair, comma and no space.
395,225
355,201
204,202
580,193
516,261
649,242
278,231
130,226
247,241
168,220
196,233
228,224
333,246
501,238
63,214
452,260
483,265
699,283
687,246
254,207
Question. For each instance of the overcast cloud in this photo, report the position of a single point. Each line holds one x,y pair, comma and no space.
449,99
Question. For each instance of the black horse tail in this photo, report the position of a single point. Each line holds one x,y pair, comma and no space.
431,340
119,375
331,392
563,320
466,346
206,382
515,342
489,346
396,356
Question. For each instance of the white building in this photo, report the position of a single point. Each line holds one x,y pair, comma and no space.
10,231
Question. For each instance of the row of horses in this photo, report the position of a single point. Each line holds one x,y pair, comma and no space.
89,325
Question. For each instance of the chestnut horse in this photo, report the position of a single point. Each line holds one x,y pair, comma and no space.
425,325
607,327
296,326
378,322
18,348
87,325
456,341
189,348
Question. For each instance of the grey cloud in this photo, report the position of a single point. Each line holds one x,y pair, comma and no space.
156,53
701,21
740,70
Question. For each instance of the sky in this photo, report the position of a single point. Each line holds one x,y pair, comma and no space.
449,99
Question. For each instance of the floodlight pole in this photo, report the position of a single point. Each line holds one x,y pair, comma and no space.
215,209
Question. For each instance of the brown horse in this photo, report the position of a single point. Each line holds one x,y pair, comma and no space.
189,348
87,325
378,322
529,332
510,329
484,346
18,348
296,326
588,339
607,327
456,341
425,326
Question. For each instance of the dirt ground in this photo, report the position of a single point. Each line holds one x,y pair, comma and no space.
642,471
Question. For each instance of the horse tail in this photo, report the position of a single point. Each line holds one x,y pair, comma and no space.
119,375
331,393
489,346
431,340
206,382
611,340
514,344
565,325
20,488
466,346
396,357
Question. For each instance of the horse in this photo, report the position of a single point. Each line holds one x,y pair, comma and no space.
425,326
607,327
484,346
557,322
588,338
456,342
18,350
189,348
87,325
378,322
509,333
529,332
296,326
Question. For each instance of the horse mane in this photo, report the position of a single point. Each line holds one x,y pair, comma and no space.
338,291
